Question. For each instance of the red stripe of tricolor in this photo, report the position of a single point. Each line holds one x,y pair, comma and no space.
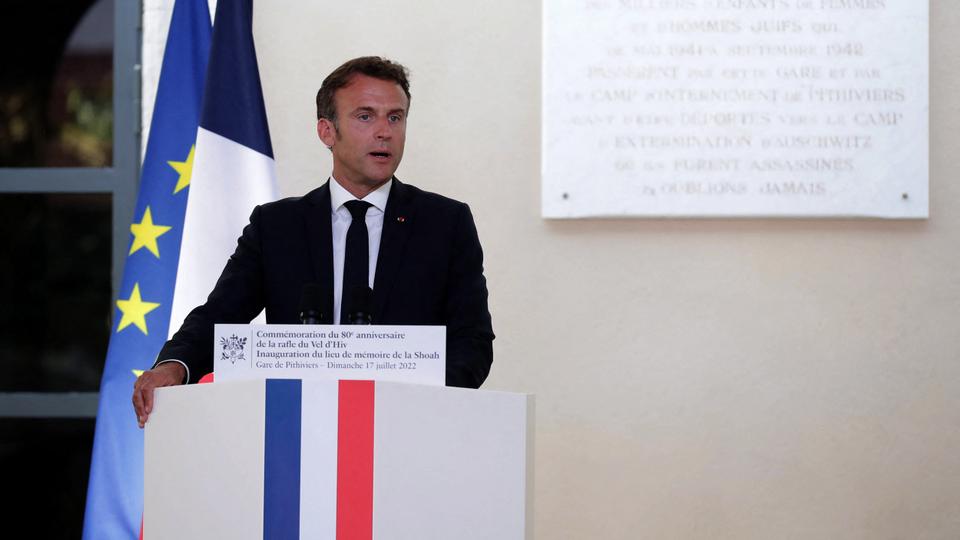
355,461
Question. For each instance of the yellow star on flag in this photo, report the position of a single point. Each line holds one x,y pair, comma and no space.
185,168
135,310
137,372
145,234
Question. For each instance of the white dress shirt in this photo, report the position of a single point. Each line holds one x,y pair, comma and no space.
341,220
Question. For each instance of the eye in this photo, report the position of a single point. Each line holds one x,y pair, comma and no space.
363,116
396,118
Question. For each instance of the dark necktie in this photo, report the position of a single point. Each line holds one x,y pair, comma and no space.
356,259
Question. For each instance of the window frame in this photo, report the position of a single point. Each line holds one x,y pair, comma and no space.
121,180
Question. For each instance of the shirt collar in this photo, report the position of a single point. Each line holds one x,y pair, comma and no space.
378,197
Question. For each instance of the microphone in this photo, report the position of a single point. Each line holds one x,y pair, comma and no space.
360,306
310,304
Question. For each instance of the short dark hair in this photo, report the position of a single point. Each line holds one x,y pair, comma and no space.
371,66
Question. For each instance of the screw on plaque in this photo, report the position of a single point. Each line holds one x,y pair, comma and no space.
905,196
565,196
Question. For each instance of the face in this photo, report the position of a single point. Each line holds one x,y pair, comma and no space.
367,142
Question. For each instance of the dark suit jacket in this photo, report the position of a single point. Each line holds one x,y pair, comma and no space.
429,272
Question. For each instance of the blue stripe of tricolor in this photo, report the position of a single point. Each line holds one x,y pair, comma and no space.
281,460
233,99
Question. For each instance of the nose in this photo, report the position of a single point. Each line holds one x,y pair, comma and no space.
384,130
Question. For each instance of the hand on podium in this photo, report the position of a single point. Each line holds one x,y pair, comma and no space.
166,374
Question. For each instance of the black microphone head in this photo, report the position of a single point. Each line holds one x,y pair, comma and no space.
360,308
310,301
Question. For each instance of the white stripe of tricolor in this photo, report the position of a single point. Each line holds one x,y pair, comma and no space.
318,461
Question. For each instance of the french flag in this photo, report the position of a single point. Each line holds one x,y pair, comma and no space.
233,167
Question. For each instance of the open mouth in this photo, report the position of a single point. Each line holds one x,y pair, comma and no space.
380,155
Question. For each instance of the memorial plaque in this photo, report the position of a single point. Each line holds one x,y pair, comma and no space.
735,108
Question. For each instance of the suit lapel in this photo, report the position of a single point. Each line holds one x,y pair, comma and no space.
320,241
397,223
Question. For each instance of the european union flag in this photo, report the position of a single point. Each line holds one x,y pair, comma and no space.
142,318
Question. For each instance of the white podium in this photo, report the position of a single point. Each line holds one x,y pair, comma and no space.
291,459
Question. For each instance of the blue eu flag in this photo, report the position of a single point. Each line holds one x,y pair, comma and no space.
142,315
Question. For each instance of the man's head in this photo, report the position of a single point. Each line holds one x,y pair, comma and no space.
371,66
362,117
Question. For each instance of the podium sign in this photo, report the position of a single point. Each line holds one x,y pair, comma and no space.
411,354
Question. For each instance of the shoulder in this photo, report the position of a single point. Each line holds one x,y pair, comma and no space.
292,207
281,205
436,216
408,194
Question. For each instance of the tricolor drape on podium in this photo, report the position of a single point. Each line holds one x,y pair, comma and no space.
286,459
197,189
349,512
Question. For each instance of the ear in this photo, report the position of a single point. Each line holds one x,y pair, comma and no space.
327,132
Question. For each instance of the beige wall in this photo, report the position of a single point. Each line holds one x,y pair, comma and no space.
694,378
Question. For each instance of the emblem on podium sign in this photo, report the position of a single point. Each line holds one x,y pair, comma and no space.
231,348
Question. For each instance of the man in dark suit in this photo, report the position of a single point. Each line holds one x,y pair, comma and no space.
417,250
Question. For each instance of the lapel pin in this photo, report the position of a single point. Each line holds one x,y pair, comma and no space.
401,219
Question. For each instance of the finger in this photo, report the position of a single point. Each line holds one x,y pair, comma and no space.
137,399
148,400
138,402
